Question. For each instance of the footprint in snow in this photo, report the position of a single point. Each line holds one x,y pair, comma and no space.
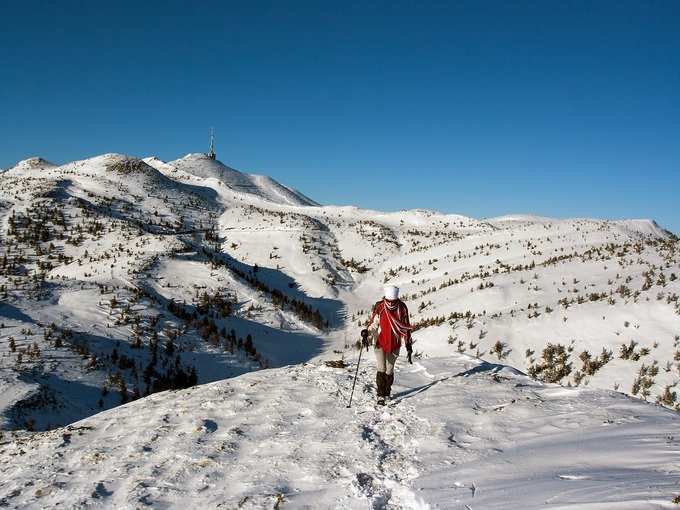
365,483
209,426
66,440
100,491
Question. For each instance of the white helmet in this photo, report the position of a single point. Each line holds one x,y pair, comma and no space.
391,292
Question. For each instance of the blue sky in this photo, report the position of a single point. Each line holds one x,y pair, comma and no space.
478,108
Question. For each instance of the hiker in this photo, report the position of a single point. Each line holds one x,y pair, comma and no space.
392,326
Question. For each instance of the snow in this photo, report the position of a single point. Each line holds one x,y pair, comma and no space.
516,218
469,429
644,226
34,163
461,432
201,166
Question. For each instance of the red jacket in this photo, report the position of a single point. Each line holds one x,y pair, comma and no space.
394,324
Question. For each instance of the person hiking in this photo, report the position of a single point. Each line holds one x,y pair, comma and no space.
392,326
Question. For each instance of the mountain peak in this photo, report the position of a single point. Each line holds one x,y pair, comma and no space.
263,187
197,155
34,162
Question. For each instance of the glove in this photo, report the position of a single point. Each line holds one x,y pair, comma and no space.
364,338
409,350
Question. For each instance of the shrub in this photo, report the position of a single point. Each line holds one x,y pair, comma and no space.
628,351
592,365
668,397
500,350
553,366
644,381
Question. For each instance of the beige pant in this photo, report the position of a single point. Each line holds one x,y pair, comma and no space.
385,362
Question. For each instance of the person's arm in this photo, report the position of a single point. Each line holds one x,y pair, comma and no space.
373,314
371,329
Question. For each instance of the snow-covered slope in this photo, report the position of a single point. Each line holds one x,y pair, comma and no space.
462,434
121,278
201,166
34,163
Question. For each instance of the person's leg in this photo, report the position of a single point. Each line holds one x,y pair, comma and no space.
381,366
390,361
380,377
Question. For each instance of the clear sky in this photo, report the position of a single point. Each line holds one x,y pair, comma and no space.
556,108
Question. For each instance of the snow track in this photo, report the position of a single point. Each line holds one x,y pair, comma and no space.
462,433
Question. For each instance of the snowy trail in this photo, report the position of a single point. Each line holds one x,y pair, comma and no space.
461,433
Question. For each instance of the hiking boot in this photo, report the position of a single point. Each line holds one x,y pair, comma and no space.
381,384
389,379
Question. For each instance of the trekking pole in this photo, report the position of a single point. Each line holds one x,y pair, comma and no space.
356,374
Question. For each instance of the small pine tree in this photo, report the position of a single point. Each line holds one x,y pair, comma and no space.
122,387
668,397
499,349
554,365
248,345
193,377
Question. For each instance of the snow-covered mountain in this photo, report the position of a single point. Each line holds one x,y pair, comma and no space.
123,277
200,166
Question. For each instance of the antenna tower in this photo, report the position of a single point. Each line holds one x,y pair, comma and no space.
211,153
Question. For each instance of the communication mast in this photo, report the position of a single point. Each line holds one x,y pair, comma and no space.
211,152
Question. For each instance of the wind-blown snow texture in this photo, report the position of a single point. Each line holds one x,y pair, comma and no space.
119,276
